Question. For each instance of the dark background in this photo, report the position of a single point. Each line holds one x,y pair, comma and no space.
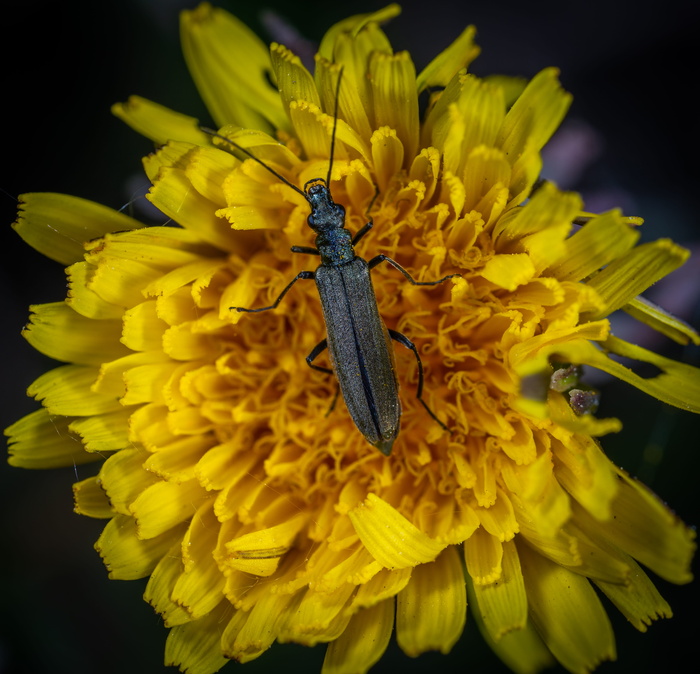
632,68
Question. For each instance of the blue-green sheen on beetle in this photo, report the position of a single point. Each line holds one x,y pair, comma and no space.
357,340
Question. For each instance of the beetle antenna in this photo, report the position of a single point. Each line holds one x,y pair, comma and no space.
335,126
215,134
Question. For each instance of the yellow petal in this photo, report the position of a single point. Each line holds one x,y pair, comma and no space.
163,506
160,586
390,538
159,123
103,432
393,80
314,129
293,79
41,440
91,500
176,461
443,67
483,554
486,171
582,468
260,629
194,646
85,301
678,384
549,207
125,555
228,63
566,613
638,600
315,619
206,167
501,603
383,585
143,329
363,641
633,273
122,282
123,478
387,156
521,650
600,241
259,552
646,529
353,25
535,115
62,391
499,519
57,224
464,119
173,194
199,588
432,610
91,343
509,271
659,319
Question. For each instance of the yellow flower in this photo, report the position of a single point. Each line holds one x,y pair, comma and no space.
259,516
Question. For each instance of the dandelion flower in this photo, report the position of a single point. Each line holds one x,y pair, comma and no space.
257,515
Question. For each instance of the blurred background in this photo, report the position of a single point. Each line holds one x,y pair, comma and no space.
631,139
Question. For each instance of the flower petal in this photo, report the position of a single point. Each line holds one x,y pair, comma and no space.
163,505
293,79
57,224
159,123
83,299
633,273
391,539
194,646
393,80
678,384
659,319
601,240
646,529
509,271
42,440
228,63
127,556
103,432
443,67
199,588
567,613
160,588
638,600
92,342
62,391
90,499
534,116
432,610
363,641
502,602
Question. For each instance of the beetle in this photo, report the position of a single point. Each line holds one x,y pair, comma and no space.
357,340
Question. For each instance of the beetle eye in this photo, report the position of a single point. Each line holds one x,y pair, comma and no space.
310,220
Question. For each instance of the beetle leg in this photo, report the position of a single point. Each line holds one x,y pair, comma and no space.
308,250
362,231
320,347
384,258
402,339
300,275
370,223
315,352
